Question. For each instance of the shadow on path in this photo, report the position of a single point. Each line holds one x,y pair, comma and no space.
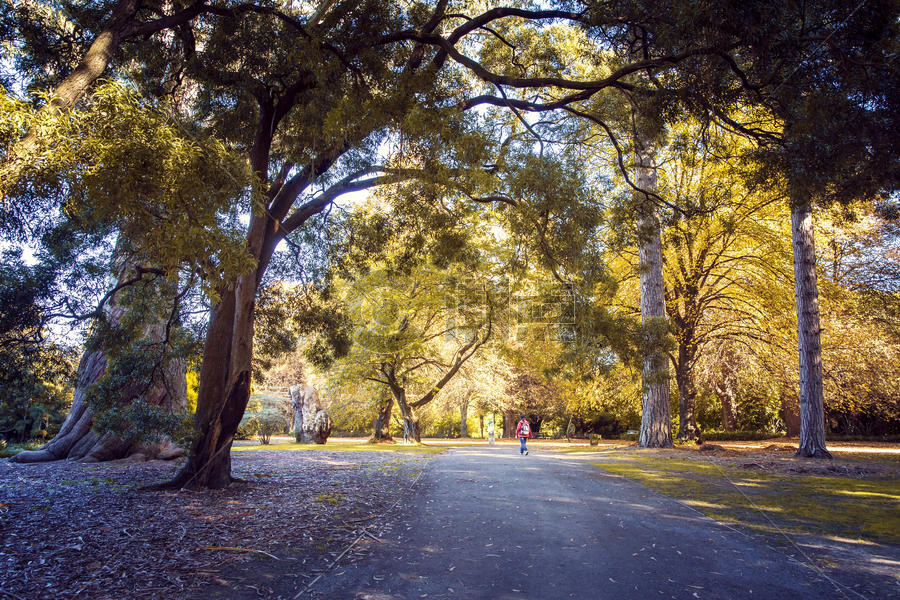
488,523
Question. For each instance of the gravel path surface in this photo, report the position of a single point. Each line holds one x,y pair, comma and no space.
489,523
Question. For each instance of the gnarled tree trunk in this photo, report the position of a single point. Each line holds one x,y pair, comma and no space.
812,400
77,440
411,429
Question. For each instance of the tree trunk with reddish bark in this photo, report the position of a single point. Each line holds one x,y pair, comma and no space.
223,394
812,400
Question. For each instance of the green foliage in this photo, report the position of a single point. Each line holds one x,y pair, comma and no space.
192,377
267,414
247,429
269,424
139,169
288,313
36,384
144,348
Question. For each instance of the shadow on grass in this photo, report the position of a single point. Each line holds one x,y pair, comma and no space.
855,510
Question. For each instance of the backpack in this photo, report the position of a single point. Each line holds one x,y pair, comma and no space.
526,430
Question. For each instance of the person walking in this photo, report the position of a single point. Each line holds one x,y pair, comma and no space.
523,432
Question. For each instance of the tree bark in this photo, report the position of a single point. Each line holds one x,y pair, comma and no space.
382,429
812,401
656,430
411,430
725,387
790,413
509,423
463,416
77,440
687,396
224,391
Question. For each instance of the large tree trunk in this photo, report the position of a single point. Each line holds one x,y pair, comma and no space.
411,428
224,389
812,401
225,372
382,425
77,440
687,396
656,430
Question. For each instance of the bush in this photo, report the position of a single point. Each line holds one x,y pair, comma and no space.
266,415
36,385
248,428
269,424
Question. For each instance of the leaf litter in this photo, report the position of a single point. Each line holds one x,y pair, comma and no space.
73,530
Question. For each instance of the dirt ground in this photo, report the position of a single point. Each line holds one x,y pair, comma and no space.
70,530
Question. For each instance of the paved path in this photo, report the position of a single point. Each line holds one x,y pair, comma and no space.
488,523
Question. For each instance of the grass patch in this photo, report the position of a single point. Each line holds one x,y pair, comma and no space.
344,446
867,510
599,449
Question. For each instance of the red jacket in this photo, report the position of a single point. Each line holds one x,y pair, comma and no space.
519,429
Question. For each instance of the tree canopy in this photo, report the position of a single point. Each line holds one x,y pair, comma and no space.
386,185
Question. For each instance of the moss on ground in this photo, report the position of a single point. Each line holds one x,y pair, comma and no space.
865,510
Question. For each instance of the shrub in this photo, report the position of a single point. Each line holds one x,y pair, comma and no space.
248,428
269,424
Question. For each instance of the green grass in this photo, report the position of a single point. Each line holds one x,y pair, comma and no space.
344,446
865,510
604,446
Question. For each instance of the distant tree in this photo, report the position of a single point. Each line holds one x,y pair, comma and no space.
414,333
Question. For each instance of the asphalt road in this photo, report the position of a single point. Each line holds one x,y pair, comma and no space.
486,522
